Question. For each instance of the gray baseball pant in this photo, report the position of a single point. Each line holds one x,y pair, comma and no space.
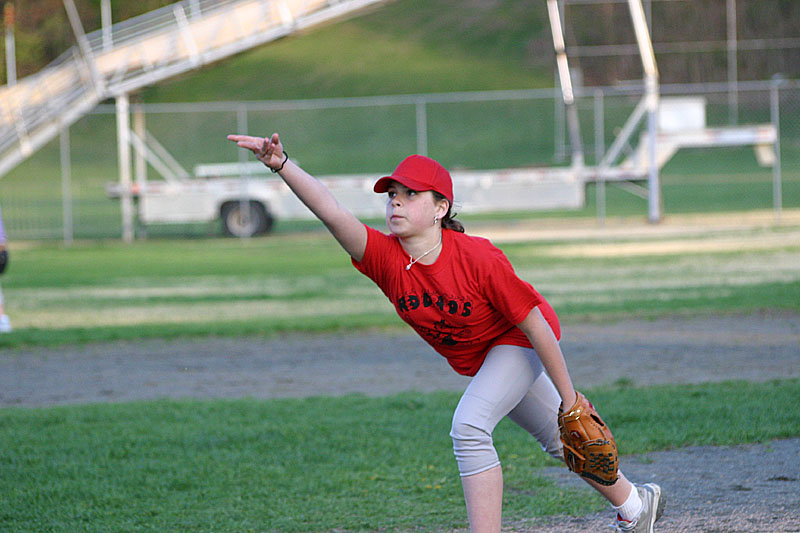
512,382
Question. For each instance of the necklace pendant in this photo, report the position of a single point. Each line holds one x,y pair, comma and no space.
411,257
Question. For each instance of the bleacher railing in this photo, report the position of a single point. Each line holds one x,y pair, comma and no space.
142,51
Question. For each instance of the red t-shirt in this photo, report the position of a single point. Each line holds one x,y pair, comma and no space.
467,302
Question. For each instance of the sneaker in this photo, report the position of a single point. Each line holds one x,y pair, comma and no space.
653,502
5,324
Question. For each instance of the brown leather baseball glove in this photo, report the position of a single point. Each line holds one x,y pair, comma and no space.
589,447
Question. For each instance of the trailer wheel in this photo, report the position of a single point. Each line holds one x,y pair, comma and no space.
238,222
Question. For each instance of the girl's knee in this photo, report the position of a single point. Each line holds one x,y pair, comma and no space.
473,448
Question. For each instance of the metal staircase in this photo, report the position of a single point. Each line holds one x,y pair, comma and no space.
142,51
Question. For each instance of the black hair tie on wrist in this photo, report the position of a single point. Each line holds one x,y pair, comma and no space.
285,159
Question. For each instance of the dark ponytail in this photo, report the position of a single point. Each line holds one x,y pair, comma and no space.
449,221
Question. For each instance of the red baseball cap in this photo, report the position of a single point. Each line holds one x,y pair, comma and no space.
419,173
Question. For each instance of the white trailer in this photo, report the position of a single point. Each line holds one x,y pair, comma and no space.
249,199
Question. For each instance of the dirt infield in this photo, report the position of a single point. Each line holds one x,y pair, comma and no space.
742,488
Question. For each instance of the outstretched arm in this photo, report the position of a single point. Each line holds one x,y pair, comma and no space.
342,224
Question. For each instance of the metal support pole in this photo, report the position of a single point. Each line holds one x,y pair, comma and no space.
139,161
599,150
777,194
422,127
565,80
105,23
11,54
559,128
124,157
653,179
186,34
559,113
84,46
651,100
66,186
194,8
733,76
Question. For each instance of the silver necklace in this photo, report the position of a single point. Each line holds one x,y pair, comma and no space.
411,258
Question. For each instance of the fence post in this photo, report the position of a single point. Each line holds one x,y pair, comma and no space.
124,156
653,179
733,72
422,127
775,100
599,150
139,161
66,186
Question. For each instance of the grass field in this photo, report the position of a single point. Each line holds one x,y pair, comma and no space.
322,464
303,281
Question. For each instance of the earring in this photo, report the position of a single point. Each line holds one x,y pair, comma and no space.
435,220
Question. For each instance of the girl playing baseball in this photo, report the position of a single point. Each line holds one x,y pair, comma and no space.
461,295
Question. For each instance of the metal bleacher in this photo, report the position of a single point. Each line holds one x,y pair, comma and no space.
142,51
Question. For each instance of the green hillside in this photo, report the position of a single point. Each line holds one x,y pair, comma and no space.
405,46
462,45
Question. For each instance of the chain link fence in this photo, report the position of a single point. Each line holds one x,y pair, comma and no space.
60,192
